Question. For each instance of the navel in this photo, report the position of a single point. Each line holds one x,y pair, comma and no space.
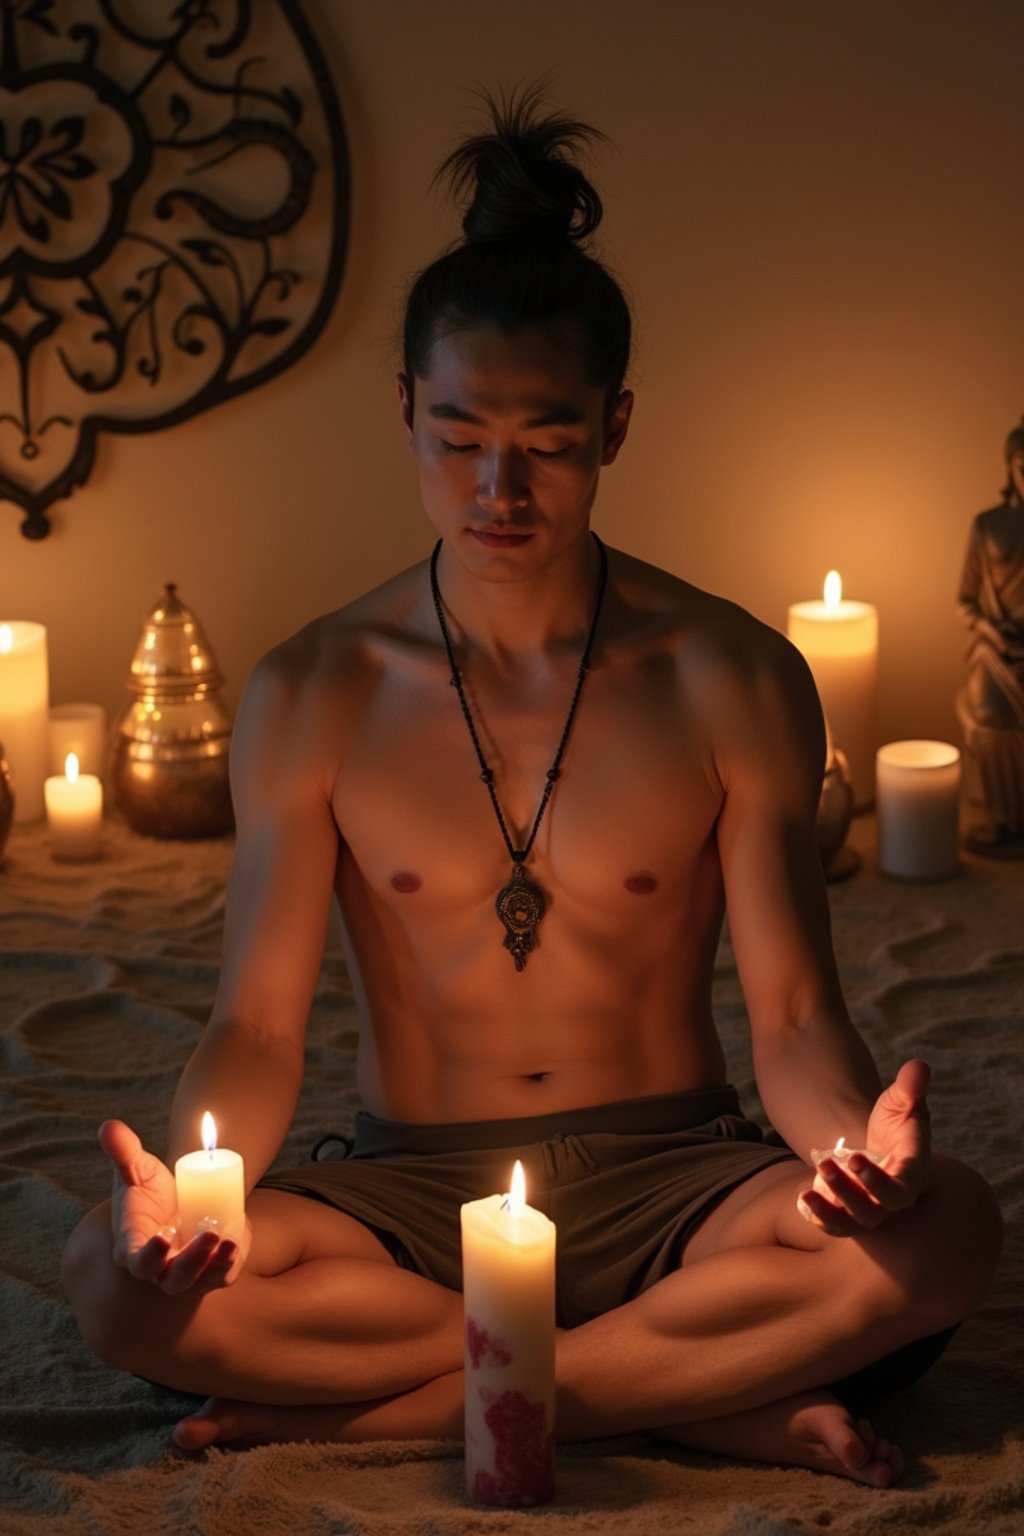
405,881
641,884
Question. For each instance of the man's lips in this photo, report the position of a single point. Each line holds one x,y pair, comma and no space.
501,538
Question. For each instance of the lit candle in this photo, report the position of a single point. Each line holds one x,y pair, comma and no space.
211,1188
508,1282
918,806
839,640
81,729
74,813
840,1154
24,697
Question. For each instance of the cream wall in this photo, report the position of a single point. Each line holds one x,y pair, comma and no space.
817,209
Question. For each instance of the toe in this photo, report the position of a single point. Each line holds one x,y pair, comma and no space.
215,1420
195,1433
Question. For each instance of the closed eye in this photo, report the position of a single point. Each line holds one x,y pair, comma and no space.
457,447
550,453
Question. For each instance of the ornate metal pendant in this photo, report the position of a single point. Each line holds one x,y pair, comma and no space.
520,905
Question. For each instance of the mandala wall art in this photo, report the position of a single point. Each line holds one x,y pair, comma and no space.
173,220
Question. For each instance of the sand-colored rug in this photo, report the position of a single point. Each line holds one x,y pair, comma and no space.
106,976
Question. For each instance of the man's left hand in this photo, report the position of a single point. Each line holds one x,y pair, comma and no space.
862,1194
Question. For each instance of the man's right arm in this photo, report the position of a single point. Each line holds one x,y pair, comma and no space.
247,1068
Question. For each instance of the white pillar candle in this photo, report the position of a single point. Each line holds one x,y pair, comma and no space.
918,801
81,729
74,813
211,1188
24,698
839,640
508,1281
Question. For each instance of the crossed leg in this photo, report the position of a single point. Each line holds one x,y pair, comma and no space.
324,1337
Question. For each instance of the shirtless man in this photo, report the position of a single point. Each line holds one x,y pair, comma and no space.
689,780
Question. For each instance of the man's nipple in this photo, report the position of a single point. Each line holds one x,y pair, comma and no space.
641,884
406,881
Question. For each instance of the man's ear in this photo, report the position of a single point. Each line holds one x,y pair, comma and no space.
405,404
616,426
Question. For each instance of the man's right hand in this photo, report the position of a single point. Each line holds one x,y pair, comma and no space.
144,1210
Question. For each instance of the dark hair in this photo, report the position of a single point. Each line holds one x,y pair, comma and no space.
528,212
1014,444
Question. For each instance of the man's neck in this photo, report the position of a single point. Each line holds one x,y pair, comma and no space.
520,622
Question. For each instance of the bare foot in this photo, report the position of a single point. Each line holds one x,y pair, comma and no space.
221,1420
430,1412
812,1429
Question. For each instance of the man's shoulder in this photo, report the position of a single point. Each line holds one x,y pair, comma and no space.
705,630
337,648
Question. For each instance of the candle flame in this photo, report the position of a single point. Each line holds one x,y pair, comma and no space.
840,1144
71,768
6,637
517,1191
833,590
209,1132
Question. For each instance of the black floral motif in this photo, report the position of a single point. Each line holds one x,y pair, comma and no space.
32,174
173,207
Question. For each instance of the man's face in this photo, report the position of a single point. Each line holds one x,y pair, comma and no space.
1017,474
509,436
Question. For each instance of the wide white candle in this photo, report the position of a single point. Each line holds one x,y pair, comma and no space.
74,813
81,729
211,1188
508,1281
918,803
839,640
24,699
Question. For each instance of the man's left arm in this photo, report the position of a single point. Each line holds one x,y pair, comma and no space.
815,1074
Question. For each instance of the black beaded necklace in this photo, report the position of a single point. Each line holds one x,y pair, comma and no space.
520,904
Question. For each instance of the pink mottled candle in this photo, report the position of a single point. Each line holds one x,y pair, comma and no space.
508,1281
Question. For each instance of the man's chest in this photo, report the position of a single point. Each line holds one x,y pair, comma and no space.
630,810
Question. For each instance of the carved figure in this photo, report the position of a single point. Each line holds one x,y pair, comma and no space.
991,703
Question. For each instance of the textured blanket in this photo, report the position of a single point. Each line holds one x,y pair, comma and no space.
106,976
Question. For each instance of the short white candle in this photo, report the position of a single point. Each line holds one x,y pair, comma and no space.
918,803
211,1188
81,729
840,1154
839,640
508,1281
74,813
24,699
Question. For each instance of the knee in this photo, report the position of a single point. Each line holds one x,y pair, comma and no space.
955,1242
94,1286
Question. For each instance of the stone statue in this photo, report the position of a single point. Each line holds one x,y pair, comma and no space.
991,703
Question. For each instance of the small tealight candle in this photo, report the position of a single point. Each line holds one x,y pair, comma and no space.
840,1154
74,813
211,1188
918,809
508,1273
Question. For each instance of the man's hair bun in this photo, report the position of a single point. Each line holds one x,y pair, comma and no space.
518,182
527,213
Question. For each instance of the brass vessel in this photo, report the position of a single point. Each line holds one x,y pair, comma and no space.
6,800
169,753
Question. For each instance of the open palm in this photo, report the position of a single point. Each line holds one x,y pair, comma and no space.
143,1211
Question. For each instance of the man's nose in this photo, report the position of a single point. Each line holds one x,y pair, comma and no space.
502,484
